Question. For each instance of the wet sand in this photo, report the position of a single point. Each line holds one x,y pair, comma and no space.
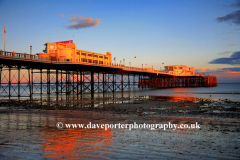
30,132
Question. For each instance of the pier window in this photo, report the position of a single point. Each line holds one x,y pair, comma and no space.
52,47
84,60
89,61
95,61
90,55
100,56
100,62
84,54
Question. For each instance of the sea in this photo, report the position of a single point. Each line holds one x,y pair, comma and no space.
229,91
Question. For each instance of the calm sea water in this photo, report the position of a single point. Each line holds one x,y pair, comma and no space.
229,91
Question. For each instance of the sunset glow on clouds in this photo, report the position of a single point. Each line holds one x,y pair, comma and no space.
231,74
82,22
224,75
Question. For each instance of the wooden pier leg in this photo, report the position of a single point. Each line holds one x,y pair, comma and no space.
129,88
9,81
29,83
61,82
66,82
77,83
92,82
113,83
83,83
48,81
73,76
41,80
98,82
57,82
122,80
134,81
103,81
19,92
81,80
32,79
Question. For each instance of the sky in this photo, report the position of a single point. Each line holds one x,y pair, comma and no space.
204,34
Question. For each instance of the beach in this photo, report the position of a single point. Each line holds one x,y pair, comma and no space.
45,131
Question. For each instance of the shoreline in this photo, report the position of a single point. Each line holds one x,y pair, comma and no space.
154,105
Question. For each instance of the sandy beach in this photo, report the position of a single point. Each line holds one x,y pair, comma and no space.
29,131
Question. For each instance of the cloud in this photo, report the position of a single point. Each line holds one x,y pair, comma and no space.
82,22
237,4
226,33
60,15
234,59
223,53
225,39
201,70
231,44
237,29
232,17
235,69
224,75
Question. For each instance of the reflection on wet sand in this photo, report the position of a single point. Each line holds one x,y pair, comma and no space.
172,98
76,143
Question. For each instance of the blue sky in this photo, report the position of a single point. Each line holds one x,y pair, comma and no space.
199,33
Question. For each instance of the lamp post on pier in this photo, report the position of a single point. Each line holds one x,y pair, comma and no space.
31,50
4,38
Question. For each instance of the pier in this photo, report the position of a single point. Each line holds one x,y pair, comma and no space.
22,75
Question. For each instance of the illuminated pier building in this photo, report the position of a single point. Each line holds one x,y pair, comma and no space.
180,70
67,51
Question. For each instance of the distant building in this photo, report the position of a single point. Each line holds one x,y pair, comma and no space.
67,51
179,70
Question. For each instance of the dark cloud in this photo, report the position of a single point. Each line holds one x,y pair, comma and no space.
82,22
232,17
234,59
237,4
235,69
